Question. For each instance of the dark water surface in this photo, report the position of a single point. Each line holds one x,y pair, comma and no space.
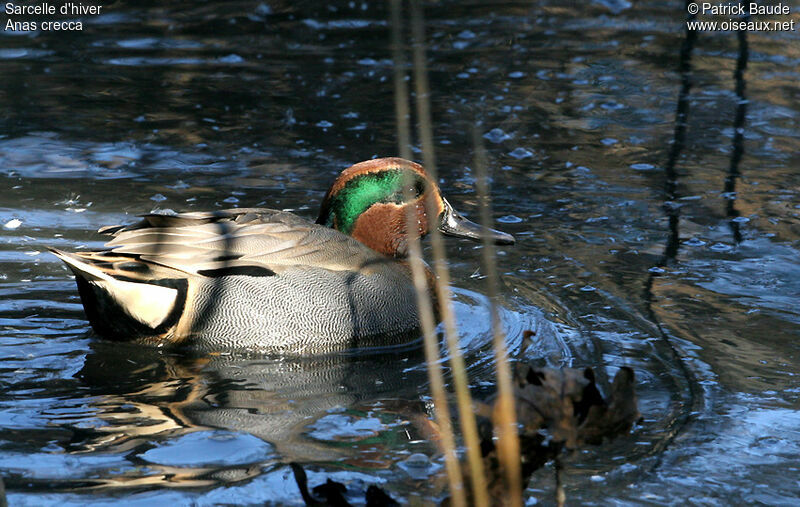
657,213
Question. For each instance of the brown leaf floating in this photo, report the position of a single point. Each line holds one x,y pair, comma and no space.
559,409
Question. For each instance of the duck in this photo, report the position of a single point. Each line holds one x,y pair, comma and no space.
266,280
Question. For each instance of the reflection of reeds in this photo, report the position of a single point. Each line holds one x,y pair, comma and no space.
672,243
508,444
737,150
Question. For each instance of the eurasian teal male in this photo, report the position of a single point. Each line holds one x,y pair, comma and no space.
268,280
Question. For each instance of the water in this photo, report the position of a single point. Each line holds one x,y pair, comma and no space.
671,250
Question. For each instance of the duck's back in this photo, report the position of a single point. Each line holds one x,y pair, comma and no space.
254,279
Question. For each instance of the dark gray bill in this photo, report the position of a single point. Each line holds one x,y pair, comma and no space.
453,224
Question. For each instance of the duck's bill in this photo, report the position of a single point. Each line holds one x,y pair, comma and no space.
453,224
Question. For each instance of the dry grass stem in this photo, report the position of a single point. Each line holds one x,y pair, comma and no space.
418,268
561,496
464,399
401,108
506,425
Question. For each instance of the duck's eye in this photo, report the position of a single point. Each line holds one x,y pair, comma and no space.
402,195
415,191
407,191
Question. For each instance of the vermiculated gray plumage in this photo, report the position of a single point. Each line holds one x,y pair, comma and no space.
255,279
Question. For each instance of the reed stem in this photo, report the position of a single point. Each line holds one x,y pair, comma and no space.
506,424
469,426
418,270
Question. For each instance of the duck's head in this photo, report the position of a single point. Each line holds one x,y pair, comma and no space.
369,202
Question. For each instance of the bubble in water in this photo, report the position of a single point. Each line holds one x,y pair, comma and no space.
720,247
694,242
496,135
521,153
231,59
418,466
263,9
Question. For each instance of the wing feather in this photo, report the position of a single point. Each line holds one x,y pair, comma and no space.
249,237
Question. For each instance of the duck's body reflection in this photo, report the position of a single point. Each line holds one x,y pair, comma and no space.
147,398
